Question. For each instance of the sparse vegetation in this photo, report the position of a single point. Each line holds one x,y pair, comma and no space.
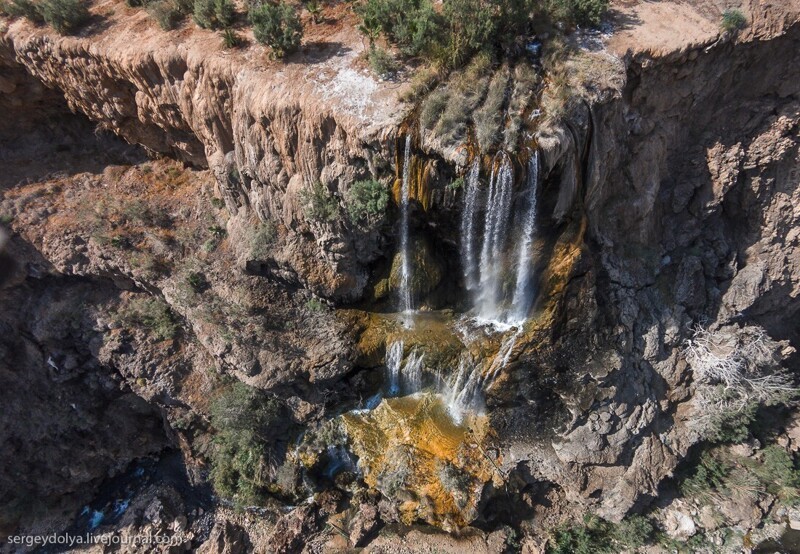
277,26
366,201
733,20
166,14
381,62
314,8
488,118
433,107
261,240
466,89
139,211
597,536
318,203
315,305
229,40
150,313
197,281
586,13
65,16
721,473
23,8
245,420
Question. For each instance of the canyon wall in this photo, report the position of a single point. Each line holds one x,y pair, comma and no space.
674,197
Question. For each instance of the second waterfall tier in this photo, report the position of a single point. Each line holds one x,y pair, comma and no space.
492,249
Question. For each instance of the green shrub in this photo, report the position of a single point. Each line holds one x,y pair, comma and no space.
229,40
318,203
456,184
245,420
590,538
471,27
212,14
151,313
381,62
277,26
452,35
24,8
578,12
709,474
366,201
314,8
777,471
65,16
597,536
315,305
733,20
261,240
412,25
197,282
634,532
166,13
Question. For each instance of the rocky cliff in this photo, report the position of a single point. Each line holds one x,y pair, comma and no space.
670,194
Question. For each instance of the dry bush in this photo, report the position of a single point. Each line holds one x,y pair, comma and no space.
489,117
736,371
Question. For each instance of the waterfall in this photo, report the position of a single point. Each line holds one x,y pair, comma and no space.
464,391
404,376
523,295
468,260
484,278
498,208
412,372
406,304
394,359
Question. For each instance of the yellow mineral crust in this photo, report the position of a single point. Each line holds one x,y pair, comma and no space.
413,451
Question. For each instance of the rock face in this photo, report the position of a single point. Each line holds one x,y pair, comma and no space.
690,193
670,196
266,135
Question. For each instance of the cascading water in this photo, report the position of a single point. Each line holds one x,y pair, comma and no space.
394,361
468,260
484,277
406,301
498,208
523,294
464,390
486,253
404,376
412,371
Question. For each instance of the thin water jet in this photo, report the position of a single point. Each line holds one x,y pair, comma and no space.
523,293
406,301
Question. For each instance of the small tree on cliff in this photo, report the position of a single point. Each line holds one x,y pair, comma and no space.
211,14
277,26
366,201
